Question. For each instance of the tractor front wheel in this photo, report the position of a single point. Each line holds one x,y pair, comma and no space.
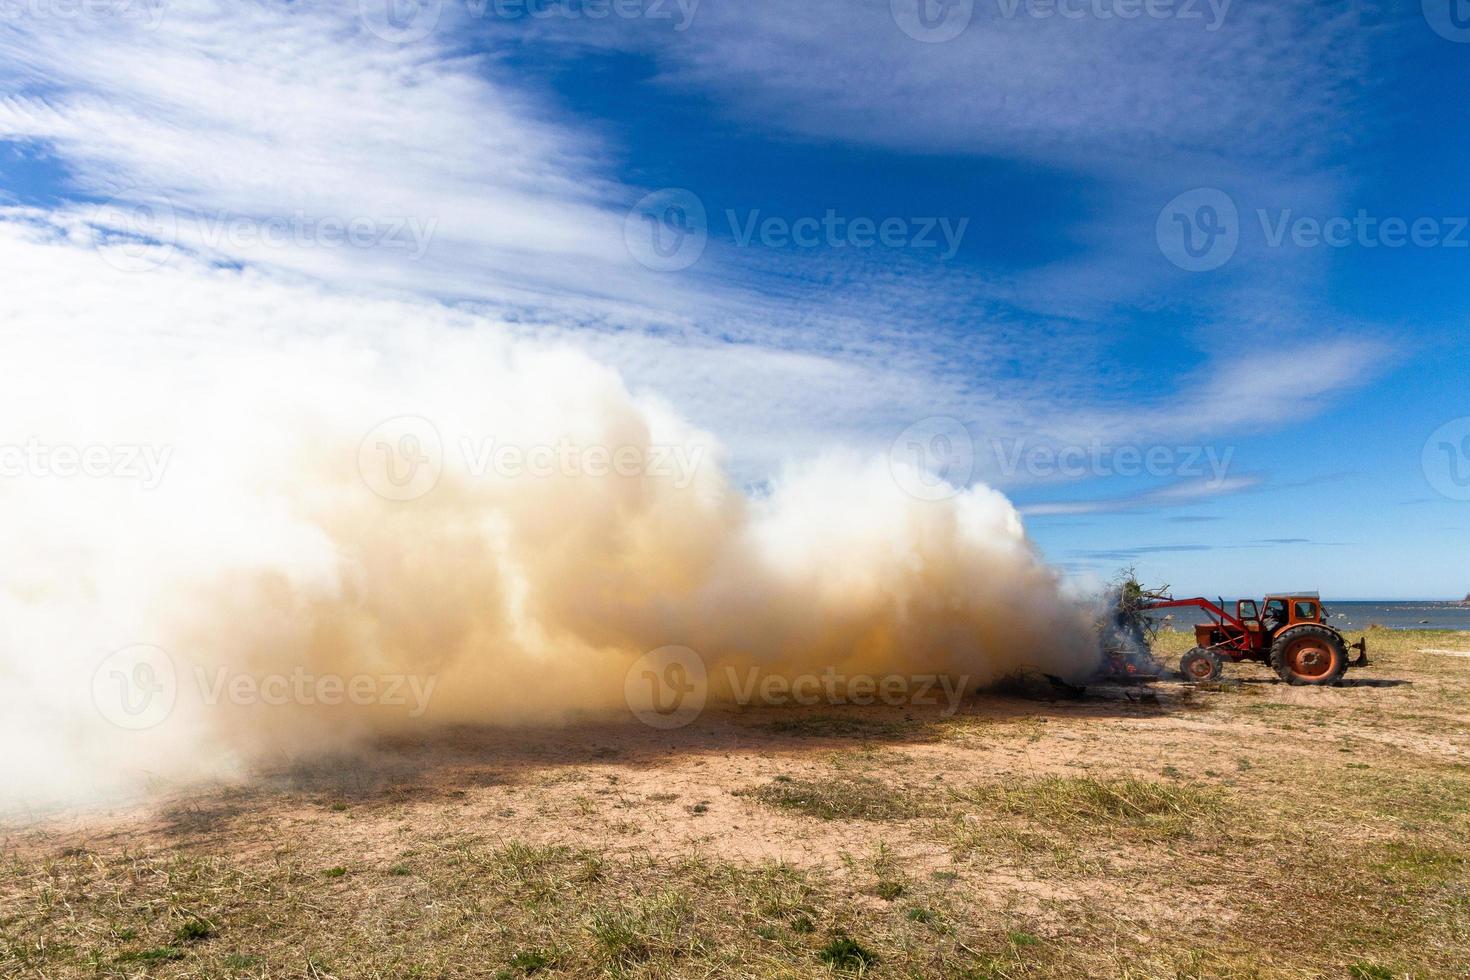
1200,665
1309,655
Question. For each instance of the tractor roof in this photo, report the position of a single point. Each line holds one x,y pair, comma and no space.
1293,595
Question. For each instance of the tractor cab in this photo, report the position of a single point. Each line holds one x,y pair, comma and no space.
1290,609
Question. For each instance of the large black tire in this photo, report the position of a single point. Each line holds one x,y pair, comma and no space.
1199,665
1309,655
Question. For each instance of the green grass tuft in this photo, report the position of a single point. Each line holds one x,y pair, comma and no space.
159,954
192,931
890,890
529,961
842,952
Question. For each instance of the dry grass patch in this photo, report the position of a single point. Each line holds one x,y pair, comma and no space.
842,797
1065,801
470,910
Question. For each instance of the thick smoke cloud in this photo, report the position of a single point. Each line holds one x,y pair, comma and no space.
498,527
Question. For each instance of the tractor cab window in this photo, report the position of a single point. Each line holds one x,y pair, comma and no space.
1306,611
1246,609
1276,611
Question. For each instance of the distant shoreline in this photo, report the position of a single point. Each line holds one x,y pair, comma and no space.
1438,615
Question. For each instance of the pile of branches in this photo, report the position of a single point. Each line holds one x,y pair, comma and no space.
1130,603
1127,632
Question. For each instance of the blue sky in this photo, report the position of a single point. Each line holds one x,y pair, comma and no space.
1036,173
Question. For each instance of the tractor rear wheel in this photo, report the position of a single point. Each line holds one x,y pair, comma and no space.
1200,665
1309,655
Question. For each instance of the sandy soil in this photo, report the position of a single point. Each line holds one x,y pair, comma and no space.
1372,752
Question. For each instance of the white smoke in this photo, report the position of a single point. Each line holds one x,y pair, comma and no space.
500,525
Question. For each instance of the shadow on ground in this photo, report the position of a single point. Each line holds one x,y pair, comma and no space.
443,763
448,764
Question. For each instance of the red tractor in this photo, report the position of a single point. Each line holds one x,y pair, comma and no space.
1289,632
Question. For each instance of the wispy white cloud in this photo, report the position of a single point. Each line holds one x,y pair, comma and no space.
1174,494
232,112
1075,85
260,112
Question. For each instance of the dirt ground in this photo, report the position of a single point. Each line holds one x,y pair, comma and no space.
1243,828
